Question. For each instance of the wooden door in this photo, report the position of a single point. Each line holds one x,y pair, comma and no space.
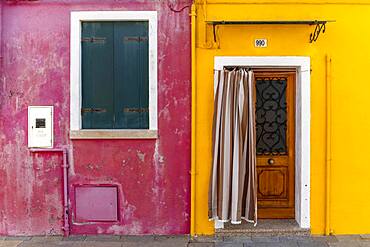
275,143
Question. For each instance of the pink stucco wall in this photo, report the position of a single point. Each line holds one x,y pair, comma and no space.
152,175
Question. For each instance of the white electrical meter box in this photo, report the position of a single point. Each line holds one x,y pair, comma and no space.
40,126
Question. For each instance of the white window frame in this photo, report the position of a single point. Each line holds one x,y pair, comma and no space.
302,120
76,131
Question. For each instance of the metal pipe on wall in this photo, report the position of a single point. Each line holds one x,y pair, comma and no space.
65,167
328,151
193,118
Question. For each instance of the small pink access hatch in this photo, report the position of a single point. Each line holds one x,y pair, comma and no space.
96,203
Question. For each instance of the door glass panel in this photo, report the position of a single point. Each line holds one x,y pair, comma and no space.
271,115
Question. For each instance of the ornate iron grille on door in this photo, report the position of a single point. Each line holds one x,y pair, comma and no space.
271,115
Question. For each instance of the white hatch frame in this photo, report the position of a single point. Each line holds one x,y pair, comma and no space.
302,139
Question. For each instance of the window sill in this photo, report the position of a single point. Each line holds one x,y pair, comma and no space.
113,134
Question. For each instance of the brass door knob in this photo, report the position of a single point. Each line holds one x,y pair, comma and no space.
271,161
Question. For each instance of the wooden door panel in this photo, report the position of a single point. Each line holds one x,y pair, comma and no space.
272,184
276,213
263,161
275,143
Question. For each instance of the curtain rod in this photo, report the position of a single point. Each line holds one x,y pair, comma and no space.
319,25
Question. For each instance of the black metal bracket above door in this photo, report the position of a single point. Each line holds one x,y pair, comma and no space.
320,25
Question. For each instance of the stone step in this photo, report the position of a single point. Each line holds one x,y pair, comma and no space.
264,228
259,233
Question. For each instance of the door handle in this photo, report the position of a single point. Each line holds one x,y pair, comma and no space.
271,161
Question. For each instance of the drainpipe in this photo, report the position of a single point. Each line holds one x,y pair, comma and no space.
65,167
193,118
328,151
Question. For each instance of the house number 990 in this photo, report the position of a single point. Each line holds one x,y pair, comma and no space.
260,43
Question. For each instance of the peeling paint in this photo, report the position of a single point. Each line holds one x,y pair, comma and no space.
157,188
140,155
152,175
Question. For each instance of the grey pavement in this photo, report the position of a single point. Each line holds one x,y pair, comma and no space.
186,241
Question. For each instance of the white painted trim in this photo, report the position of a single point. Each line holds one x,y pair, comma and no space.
303,94
75,63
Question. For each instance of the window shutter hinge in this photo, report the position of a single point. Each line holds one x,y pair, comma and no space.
98,40
84,110
135,110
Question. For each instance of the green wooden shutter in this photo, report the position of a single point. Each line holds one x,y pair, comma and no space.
97,75
131,75
115,75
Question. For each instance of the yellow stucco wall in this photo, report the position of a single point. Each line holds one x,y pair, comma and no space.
348,43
